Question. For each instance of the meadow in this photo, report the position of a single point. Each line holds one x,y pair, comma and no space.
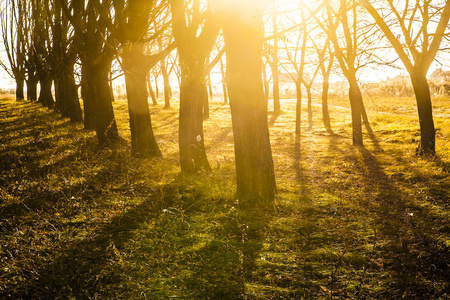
82,222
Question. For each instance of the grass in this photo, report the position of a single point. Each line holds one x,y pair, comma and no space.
79,222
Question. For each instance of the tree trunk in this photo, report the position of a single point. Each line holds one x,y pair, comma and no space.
111,90
254,164
143,141
88,106
276,92
276,81
156,87
206,107
325,111
66,96
150,90
298,109
423,99
97,98
310,112
192,93
266,85
167,88
20,90
210,88
32,88
355,104
224,83
45,95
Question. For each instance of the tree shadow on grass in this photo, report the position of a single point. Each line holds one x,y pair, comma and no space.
397,254
421,261
415,260
155,249
227,262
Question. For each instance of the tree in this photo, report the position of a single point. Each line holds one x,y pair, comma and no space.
411,34
42,45
325,64
133,19
274,63
65,47
30,57
355,32
12,20
165,72
242,29
224,83
295,66
96,53
194,48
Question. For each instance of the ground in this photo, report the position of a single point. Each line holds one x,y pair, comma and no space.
80,222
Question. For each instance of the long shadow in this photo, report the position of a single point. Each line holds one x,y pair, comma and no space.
228,261
85,268
82,268
418,263
172,119
372,136
418,275
218,107
273,119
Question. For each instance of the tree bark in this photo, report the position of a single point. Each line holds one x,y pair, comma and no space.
266,85
192,93
276,81
20,89
310,111
193,49
254,163
45,95
97,100
423,99
325,111
276,91
88,106
151,91
355,104
224,83
66,95
298,109
210,88
167,87
111,90
206,106
157,86
31,88
143,142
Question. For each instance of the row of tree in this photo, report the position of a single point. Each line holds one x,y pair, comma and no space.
52,41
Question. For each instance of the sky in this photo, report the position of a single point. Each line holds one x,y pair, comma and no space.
371,74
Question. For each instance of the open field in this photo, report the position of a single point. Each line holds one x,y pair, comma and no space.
79,222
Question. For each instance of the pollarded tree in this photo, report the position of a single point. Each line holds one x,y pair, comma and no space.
242,29
130,32
415,30
30,58
12,19
42,44
96,52
195,41
65,46
133,20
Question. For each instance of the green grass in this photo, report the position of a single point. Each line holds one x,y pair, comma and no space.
79,222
